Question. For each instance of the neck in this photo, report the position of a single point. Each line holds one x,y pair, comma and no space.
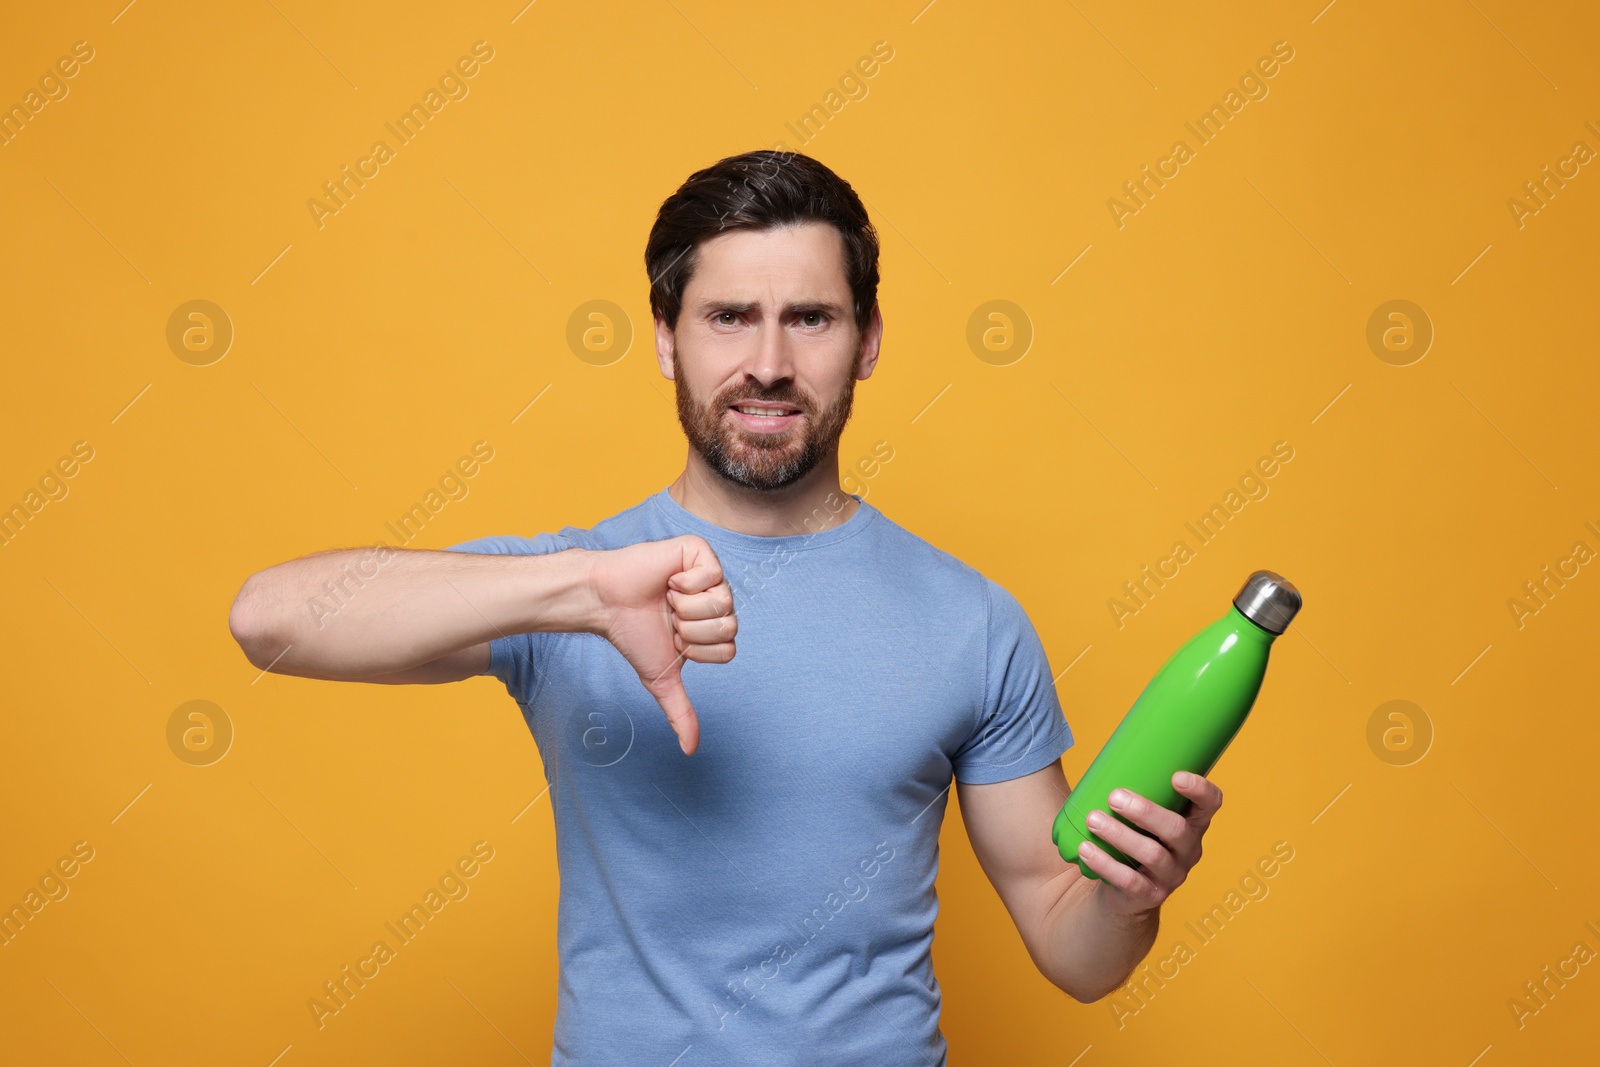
809,505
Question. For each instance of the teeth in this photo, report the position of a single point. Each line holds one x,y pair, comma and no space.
769,412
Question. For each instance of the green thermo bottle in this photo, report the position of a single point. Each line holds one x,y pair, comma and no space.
1185,717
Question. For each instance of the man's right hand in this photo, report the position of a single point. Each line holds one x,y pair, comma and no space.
662,602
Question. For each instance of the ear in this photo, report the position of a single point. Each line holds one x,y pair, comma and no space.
666,343
871,339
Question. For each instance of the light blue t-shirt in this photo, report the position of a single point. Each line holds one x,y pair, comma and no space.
770,900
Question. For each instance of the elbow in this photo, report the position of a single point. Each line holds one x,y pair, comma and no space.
247,624
1074,987
1091,988
1085,994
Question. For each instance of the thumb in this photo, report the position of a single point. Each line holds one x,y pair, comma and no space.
674,700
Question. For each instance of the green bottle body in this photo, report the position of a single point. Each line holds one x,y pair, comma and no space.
1184,720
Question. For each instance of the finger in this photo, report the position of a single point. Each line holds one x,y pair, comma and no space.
1204,797
1151,854
717,653
696,579
707,631
1141,811
674,700
1117,874
711,604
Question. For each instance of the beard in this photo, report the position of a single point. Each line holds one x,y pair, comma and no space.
764,462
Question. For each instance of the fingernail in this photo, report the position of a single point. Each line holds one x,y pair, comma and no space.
1097,820
1184,778
1119,798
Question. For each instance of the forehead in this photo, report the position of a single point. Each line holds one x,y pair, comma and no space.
808,255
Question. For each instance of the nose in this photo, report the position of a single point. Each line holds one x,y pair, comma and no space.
772,359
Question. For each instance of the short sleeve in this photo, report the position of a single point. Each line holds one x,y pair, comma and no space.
1021,728
516,659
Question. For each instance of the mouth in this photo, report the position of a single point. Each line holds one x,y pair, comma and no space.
764,417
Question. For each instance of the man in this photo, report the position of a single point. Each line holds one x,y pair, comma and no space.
749,879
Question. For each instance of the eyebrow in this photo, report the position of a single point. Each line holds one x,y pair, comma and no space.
747,306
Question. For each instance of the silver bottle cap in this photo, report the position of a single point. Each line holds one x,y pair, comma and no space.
1268,600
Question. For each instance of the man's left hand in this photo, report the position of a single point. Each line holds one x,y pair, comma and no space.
1165,859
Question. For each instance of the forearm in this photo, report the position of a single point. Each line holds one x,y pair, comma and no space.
322,616
1090,950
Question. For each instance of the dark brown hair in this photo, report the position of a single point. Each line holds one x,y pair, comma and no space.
757,191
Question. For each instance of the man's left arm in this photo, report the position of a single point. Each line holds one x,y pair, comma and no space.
1085,936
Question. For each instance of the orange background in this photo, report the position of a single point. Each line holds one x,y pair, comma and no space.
1229,313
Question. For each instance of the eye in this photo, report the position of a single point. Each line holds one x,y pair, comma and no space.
819,316
729,314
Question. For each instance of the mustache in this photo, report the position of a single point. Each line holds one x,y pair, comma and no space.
787,398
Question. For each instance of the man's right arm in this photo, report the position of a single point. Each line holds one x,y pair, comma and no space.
428,616
425,616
